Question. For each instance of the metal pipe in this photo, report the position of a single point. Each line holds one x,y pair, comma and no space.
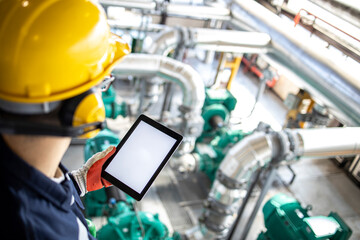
332,82
165,42
136,26
173,9
327,142
247,156
198,12
142,5
255,151
211,39
232,182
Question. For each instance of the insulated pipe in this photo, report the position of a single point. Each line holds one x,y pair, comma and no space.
165,42
198,12
256,151
331,81
247,156
173,9
327,142
183,75
231,183
211,39
142,5
136,26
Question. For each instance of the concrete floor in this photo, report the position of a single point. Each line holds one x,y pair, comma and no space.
318,182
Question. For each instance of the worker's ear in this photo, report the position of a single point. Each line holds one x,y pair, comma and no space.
85,108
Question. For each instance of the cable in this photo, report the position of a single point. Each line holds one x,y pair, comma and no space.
139,220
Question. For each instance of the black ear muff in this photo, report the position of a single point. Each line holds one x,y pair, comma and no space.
80,116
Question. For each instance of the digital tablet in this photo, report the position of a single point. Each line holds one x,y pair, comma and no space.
140,156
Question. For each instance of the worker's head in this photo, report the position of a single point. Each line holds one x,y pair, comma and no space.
55,54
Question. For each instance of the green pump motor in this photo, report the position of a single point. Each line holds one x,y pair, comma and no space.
285,219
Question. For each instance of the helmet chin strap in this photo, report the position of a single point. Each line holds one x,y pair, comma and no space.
33,128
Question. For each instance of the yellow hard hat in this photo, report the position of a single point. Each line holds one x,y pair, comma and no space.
55,49
53,52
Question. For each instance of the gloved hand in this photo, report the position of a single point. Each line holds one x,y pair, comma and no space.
88,177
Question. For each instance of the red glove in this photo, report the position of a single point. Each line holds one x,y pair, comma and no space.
88,177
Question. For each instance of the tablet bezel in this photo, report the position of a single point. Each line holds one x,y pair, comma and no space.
126,188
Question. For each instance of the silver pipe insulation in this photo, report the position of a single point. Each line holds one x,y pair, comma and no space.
173,9
165,42
210,39
332,82
231,183
198,12
136,26
256,151
183,75
327,142
141,5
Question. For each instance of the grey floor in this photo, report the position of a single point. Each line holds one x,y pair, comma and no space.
319,182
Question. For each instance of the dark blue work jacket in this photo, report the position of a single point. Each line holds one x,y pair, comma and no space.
35,206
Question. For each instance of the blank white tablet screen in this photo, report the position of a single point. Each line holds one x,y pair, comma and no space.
140,156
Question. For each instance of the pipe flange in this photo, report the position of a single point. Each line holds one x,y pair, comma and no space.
218,207
228,182
214,227
285,152
215,220
295,143
289,146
